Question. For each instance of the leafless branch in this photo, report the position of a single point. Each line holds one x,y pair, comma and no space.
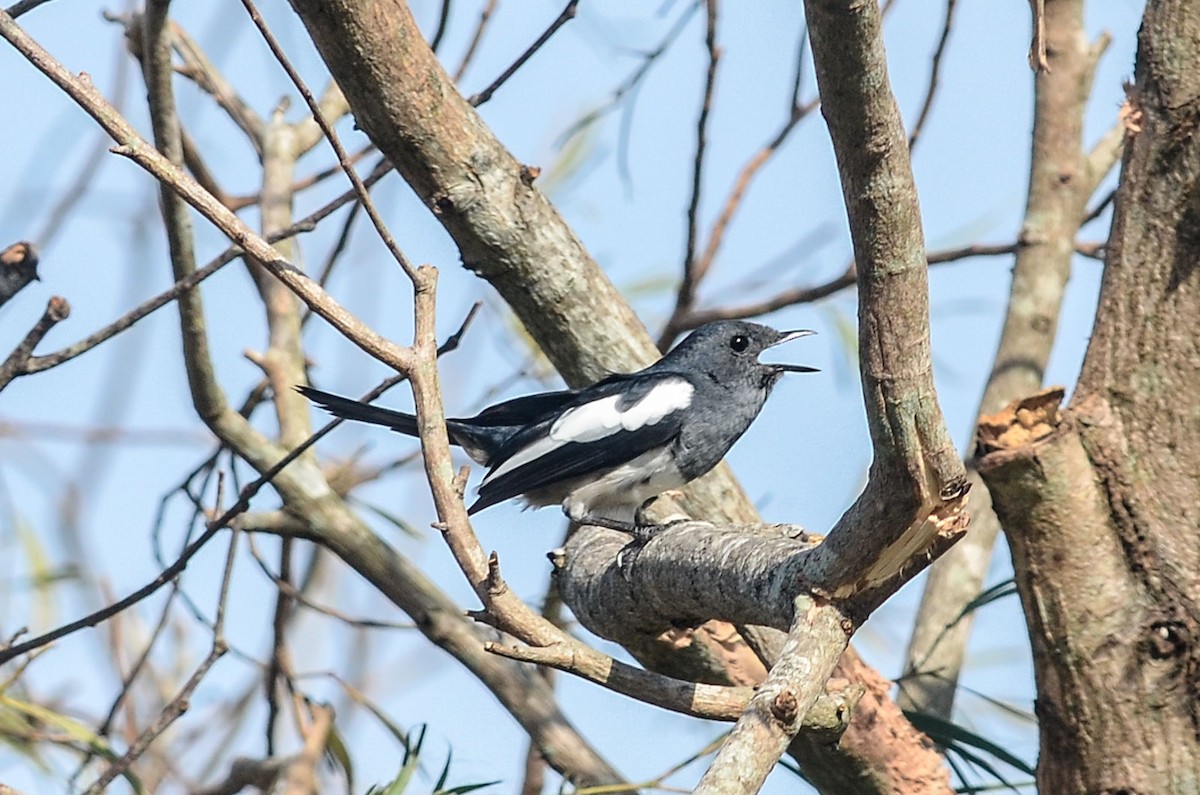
208,77
935,68
57,310
442,27
567,14
179,704
38,363
484,17
364,197
252,523
694,271
805,295
168,574
686,297
238,202
17,9
635,77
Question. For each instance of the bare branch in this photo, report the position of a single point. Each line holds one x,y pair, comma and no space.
935,67
306,224
684,305
1060,184
635,77
17,363
484,17
806,295
692,270
567,14
364,197
179,704
19,8
442,27
205,74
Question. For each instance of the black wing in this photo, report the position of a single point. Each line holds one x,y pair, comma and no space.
562,462
521,411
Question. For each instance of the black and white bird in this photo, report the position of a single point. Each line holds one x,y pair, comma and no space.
604,451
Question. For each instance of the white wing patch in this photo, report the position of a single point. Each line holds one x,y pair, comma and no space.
600,418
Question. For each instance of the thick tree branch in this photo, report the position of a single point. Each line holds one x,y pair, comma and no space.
1061,182
505,229
917,481
301,485
1103,513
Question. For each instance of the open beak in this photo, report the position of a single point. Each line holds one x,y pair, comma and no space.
788,336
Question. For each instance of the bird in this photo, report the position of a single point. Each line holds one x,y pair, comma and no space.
604,452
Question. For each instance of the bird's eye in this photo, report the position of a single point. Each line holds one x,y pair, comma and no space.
739,342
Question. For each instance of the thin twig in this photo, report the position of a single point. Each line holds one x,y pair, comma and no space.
476,38
736,195
694,271
17,363
277,664
295,593
635,77
1099,209
935,69
238,202
17,9
307,224
74,193
568,13
209,79
343,158
175,569
180,703
805,295
443,25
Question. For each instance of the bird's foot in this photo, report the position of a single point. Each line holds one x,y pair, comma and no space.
604,521
643,532
642,528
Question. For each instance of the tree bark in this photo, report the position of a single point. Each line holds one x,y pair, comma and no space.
1062,178
1103,512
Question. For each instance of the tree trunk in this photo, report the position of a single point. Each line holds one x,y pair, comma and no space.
1103,510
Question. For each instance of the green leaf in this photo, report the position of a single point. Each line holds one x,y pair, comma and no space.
73,729
1000,590
951,735
461,788
336,750
975,759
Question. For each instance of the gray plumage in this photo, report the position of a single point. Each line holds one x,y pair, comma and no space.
603,451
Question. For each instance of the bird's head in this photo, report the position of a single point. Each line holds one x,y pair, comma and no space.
728,350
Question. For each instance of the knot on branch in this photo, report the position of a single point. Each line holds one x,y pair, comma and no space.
785,708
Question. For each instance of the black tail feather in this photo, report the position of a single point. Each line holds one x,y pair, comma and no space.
350,409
